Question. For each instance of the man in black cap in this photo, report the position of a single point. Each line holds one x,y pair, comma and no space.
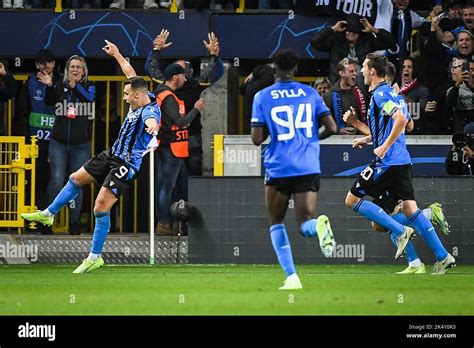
37,119
353,38
173,142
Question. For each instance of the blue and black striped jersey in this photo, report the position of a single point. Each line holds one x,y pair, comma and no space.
383,104
133,140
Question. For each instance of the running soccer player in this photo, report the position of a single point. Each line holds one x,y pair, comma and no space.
391,170
290,112
115,168
392,205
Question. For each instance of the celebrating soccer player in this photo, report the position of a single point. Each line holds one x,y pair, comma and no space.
115,168
290,113
391,171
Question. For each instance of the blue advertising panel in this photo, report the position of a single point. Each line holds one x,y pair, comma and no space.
259,36
84,32
343,160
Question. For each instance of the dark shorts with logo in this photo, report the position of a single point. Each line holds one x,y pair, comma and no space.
387,202
110,171
395,183
295,184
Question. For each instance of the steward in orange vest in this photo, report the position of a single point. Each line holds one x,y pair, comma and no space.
174,120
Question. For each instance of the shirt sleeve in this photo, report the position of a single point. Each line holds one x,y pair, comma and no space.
152,112
258,119
404,107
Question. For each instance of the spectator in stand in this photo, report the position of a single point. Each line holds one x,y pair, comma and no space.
442,113
446,21
403,22
344,94
8,89
465,45
353,38
450,35
37,119
322,85
261,77
191,90
433,59
460,97
70,144
416,95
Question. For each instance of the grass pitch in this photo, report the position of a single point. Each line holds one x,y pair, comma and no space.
232,290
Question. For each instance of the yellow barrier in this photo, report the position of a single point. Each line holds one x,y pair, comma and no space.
17,160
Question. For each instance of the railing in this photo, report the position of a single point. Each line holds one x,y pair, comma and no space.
17,163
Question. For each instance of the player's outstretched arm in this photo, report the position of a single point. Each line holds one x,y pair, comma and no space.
399,124
112,50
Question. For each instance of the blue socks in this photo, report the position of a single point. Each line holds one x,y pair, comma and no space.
102,227
424,227
67,194
374,213
308,228
282,248
401,219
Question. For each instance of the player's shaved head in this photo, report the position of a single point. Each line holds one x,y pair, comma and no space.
137,83
285,60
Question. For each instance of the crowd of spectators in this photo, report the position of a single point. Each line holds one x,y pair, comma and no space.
433,71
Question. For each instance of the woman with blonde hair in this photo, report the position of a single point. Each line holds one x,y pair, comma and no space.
70,146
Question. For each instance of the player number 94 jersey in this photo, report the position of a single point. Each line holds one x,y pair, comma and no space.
291,112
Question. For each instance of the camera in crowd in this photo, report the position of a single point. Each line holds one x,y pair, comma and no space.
461,140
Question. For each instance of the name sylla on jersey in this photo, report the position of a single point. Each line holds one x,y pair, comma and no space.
287,93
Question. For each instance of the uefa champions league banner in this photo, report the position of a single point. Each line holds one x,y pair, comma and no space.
84,32
242,36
